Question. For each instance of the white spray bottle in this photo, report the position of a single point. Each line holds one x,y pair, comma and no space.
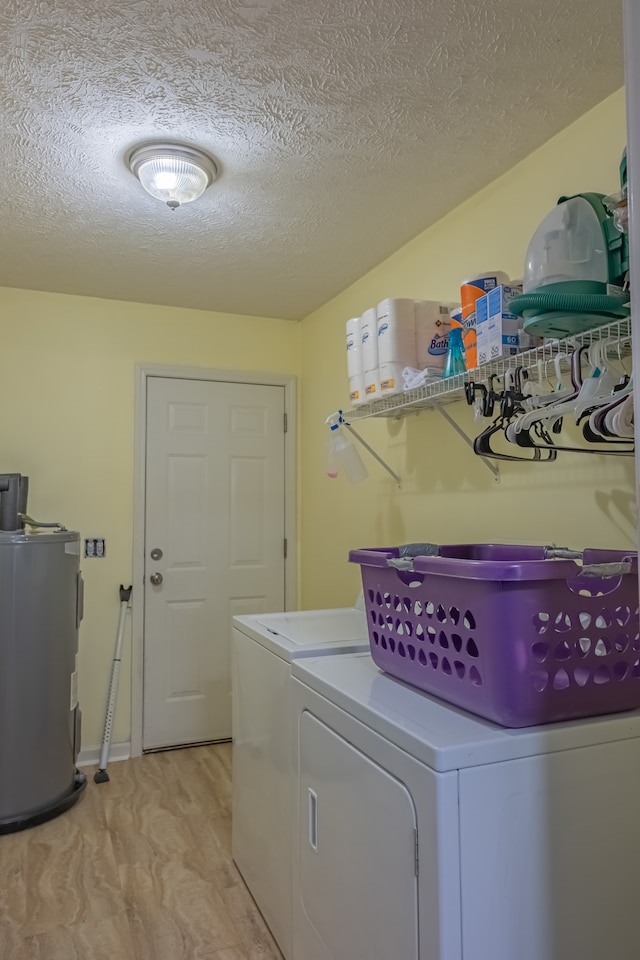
342,454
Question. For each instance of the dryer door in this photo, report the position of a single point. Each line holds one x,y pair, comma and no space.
358,884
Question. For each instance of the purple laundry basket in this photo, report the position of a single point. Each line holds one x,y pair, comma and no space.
517,634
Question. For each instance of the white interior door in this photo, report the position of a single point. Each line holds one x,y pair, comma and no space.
214,544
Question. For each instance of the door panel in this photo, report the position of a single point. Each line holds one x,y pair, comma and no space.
188,478
184,628
358,884
248,514
215,502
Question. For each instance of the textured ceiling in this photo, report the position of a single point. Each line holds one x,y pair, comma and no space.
342,129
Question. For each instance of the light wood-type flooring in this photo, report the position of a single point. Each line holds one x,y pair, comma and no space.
139,869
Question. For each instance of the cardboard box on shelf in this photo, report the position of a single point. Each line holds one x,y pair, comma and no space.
503,327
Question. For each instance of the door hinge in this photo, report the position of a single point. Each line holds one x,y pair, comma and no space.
285,547
417,860
286,422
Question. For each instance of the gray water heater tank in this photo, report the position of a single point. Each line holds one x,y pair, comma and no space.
40,611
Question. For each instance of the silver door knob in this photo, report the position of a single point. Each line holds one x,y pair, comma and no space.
156,553
156,579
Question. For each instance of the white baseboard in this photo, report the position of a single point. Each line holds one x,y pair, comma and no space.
90,756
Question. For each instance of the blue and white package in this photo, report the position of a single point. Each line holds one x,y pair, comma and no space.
503,327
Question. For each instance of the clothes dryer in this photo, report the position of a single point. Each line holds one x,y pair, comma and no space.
424,833
263,648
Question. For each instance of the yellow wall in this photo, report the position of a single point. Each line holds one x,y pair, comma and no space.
448,495
67,418
67,366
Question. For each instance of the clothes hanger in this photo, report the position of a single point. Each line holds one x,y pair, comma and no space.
524,439
611,421
621,421
482,446
534,395
614,419
510,406
598,387
489,395
595,390
561,406
550,415
602,414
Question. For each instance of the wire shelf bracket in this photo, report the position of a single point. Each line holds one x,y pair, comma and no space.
368,448
488,464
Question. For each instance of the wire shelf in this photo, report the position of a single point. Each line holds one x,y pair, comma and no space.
539,359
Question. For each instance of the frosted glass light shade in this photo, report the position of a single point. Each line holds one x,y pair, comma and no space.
175,174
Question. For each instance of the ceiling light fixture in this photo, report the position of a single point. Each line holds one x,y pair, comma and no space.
172,172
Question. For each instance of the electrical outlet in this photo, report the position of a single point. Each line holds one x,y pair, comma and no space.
95,547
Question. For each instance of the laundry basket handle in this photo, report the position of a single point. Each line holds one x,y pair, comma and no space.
407,551
617,568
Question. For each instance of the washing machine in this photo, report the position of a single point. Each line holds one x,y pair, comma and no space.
263,649
424,833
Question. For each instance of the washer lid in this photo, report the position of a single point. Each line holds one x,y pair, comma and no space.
301,633
442,736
